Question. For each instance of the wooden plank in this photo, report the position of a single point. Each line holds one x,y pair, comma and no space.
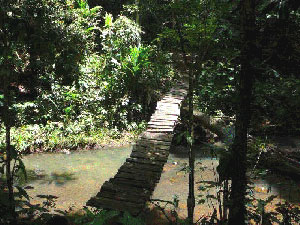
163,122
155,152
149,184
146,161
169,99
162,126
167,106
166,110
149,148
159,118
152,147
139,173
169,102
108,186
134,183
164,117
143,167
175,97
168,115
146,148
150,156
152,130
125,196
154,142
139,177
161,137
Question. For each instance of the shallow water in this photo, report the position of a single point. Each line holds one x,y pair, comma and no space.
76,177
175,182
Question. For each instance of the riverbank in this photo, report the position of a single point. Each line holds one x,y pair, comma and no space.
60,137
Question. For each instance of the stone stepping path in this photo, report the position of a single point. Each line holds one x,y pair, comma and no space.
136,179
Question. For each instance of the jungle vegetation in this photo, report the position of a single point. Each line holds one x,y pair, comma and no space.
74,73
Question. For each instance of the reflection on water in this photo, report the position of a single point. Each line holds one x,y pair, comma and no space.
73,178
76,177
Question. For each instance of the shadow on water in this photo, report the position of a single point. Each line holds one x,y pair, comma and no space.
38,175
60,178
202,151
283,184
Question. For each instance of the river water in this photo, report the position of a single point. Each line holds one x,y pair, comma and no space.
74,178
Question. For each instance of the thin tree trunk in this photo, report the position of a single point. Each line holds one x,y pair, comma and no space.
137,19
9,178
191,196
237,212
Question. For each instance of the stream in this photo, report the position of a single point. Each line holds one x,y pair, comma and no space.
74,178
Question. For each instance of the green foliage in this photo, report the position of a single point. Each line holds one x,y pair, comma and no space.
43,43
129,73
57,136
277,105
102,217
20,193
216,87
128,219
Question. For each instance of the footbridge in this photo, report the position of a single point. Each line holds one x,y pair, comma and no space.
135,181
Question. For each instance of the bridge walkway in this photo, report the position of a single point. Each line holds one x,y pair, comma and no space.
135,181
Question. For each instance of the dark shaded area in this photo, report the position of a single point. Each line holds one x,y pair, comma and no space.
113,7
58,220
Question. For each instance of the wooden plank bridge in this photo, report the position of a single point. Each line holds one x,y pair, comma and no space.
134,183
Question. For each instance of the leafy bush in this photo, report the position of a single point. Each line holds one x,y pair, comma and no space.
216,88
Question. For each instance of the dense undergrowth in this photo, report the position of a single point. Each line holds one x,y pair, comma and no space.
74,76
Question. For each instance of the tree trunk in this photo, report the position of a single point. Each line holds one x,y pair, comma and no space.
237,211
7,122
191,196
137,19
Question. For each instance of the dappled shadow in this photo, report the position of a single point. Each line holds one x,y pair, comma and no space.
284,166
31,175
201,151
281,186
